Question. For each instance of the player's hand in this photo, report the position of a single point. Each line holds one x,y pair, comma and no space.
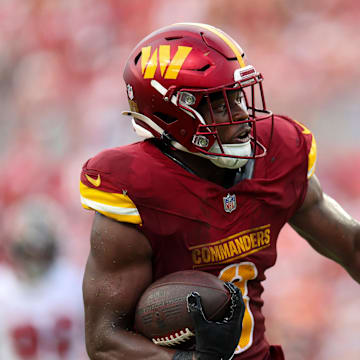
217,340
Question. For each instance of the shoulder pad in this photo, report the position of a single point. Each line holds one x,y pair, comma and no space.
104,183
311,148
296,142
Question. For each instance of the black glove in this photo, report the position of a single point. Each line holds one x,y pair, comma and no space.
217,340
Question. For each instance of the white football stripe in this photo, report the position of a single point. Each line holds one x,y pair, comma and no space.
311,171
109,208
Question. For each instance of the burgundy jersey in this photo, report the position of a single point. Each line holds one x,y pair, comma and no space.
193,223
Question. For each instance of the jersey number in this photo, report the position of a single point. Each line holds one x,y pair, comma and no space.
239,275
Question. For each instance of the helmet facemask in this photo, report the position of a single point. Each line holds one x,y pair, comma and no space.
248,94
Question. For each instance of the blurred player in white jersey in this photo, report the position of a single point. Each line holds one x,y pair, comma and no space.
41,310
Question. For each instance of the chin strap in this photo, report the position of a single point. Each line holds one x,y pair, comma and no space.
236,162
220,161
141,131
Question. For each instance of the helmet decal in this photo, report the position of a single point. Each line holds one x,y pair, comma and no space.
149,62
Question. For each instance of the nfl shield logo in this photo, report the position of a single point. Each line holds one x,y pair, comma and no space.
229,203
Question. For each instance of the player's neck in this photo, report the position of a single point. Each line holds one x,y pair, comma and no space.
204,168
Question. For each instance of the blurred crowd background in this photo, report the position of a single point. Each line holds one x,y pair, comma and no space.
61,97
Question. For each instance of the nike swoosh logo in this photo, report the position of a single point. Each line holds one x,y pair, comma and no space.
96,182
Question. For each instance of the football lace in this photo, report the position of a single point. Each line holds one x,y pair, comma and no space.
174,339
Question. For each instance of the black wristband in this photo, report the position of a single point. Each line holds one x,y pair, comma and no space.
183,355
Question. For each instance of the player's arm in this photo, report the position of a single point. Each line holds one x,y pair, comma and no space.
329,229
118,270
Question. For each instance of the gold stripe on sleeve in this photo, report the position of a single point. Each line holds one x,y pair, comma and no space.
312,158
116,206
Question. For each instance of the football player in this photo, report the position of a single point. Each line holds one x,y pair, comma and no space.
41,308
211,186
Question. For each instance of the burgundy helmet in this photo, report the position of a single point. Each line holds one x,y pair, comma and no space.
174,69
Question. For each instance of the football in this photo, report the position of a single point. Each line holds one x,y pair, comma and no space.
162,315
